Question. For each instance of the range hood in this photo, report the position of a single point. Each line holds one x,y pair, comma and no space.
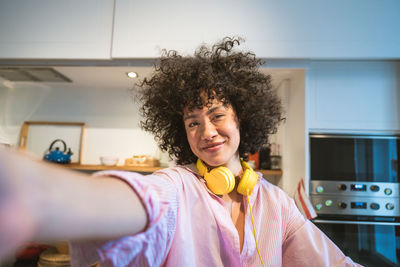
32,74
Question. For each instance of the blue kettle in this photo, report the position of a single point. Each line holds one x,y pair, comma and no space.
56,155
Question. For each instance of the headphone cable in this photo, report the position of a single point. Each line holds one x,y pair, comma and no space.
254,229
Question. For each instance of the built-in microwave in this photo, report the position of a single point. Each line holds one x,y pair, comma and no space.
363,158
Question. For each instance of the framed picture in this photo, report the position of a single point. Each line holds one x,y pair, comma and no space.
37,136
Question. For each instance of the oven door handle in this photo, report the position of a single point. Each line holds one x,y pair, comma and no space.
356,222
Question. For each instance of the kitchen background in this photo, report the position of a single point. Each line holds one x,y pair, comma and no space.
335,64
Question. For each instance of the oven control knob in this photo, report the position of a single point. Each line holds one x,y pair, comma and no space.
342,187
342,205
319,189
388,191
374,188
374,206
389,206
318,206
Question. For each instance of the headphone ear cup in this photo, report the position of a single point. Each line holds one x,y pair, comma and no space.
248,180
220,180
201,167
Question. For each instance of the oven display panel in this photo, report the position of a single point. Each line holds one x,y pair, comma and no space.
358,187
358,205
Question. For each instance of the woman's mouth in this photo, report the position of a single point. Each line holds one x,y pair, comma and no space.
213,147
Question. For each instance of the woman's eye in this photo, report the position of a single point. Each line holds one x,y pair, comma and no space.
218,116
192,124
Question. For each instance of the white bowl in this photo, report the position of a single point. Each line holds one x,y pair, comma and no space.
109,160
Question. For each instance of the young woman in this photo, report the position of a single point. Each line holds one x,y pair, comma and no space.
208,111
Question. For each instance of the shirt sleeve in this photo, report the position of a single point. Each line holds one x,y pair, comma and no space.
306,245
158,193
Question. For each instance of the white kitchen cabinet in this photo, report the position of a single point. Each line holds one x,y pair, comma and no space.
311,29
354,96
105,29
55,29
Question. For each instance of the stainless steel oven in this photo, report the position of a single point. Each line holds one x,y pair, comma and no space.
354,187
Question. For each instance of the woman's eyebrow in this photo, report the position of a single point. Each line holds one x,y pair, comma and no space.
211,110
190,116
193,116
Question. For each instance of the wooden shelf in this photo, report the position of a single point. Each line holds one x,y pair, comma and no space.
141,169
103,167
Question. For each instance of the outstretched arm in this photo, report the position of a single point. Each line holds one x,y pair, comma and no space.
44,202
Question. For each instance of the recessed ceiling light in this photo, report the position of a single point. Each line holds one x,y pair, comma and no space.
132,74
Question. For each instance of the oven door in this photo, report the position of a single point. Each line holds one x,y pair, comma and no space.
367,243
354,158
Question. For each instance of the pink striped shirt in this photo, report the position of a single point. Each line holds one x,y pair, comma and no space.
191,226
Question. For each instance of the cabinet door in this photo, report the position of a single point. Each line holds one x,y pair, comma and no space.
272,29
55,29
361,95
143,28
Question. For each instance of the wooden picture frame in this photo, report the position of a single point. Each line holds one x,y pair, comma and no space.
57,128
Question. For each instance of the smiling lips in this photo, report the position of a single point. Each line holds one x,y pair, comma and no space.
213,147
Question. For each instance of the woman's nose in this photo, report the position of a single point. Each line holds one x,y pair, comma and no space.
209,131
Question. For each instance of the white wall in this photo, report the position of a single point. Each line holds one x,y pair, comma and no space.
292,133
111,117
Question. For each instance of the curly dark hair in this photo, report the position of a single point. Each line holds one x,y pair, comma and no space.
230,76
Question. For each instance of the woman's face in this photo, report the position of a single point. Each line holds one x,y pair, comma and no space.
213,134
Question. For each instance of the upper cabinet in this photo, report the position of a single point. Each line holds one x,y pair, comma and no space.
48,29
108,29
357,95
310,29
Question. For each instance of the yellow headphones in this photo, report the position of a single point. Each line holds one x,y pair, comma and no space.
221,180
